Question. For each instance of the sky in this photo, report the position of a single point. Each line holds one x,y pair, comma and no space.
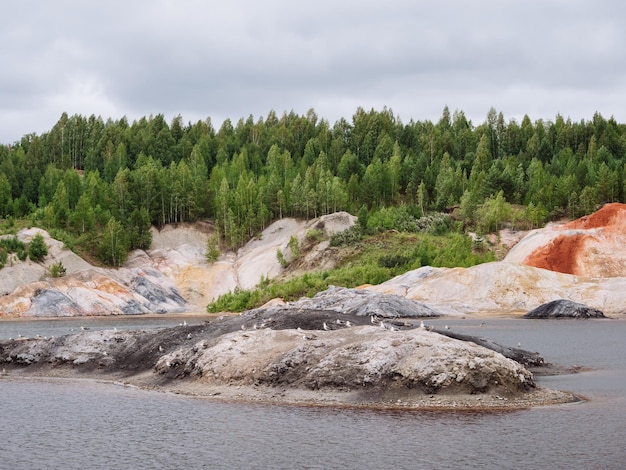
231,59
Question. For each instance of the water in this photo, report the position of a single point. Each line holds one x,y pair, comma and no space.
86,424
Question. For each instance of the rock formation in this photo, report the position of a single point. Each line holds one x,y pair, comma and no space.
592,246
366,364
503,287
563,308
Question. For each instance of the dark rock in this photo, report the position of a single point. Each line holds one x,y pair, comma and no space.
563,308
155,294
363,303
524,357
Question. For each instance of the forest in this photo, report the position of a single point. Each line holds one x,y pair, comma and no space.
100,185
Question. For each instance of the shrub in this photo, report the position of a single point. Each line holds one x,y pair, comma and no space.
349,236
37,249
393,261
57,270
212,249
315,235
294,246
281,258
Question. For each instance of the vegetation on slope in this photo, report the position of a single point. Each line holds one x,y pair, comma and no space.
99,185
386,245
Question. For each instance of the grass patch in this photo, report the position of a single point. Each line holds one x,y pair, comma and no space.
371,260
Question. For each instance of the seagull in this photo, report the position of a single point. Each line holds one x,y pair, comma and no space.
188,335
326,327
519,345
422,326
299,330
446,327
84,327
243,326
309,337
160,348
349,323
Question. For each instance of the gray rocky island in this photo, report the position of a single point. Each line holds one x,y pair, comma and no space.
329,351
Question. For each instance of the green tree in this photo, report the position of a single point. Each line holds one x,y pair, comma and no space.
37,249
113,248
6,203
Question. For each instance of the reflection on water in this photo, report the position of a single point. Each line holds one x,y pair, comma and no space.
84,424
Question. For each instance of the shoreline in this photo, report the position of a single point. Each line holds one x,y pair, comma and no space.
273,396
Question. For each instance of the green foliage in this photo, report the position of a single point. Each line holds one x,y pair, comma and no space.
212,253
349,236
37,248
378,259
12,244
57,270
315,235
294,246
394,260
86,170
113,248
281,258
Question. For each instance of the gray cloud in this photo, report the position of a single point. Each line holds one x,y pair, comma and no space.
232,59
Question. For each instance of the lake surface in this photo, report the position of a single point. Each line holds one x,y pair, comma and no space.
86,424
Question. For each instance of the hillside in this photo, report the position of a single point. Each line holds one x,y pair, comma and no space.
173,276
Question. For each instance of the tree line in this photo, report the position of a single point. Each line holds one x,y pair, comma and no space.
107,182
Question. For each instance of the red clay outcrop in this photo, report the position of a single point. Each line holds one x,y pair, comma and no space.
593,246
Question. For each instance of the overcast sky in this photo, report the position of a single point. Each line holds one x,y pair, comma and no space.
235,58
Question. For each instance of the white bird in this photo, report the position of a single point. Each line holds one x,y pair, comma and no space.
447,327
188,335
519,345
348,323
326,327
422,326
300,330
160,348
243,327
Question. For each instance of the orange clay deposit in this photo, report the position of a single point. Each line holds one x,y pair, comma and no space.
571,252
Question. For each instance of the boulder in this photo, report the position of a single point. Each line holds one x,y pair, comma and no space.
563,308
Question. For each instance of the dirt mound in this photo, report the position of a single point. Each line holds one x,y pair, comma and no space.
592,246
610,215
